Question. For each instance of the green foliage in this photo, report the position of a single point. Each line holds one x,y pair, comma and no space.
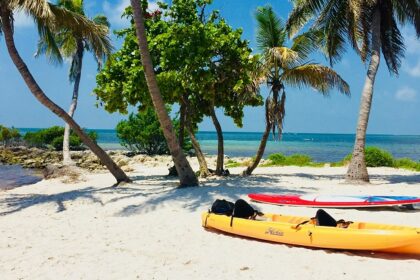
53,138
295,159
377,157
407,163
198,59
141,133
9,135
232,163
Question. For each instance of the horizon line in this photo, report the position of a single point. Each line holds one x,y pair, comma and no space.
205,131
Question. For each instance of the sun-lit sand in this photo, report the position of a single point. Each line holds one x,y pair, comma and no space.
152,230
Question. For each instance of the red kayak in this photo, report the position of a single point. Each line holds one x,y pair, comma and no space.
335,201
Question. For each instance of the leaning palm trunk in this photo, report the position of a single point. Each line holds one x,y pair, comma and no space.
66,139
274,116
220,146
185,172
357,170
248,171
119,175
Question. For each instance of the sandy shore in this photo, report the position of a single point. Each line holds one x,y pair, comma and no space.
152,230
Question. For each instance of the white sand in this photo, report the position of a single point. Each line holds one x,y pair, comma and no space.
151,230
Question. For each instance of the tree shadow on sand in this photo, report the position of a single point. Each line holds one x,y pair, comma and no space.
18,202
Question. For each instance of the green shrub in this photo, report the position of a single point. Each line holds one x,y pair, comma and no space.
9,135
407,163
53,138
376,157
277,159
141,133
232,163
295,160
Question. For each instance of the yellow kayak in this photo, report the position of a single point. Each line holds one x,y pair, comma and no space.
293,230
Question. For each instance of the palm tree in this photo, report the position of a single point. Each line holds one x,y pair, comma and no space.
185,172
370,26
72,46
282,66
50,19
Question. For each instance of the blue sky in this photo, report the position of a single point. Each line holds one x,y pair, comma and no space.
396,100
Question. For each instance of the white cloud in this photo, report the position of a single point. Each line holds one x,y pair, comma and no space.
114,9
22,20
412,70
406,94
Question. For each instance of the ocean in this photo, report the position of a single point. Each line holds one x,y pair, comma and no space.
321,147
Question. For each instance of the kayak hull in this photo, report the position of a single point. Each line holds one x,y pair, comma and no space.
284,229
331,201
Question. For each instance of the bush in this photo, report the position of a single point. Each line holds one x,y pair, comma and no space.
9,135
277,159
295,159
53,138
407,163
375,157
141,133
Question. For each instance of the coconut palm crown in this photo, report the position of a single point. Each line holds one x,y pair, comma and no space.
282,65
65,43
51,19
371,27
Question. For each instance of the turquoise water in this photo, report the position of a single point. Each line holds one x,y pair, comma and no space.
321,147
14,176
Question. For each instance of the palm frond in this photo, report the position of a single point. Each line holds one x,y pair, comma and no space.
307,42
321,78
303,11
333,21
101,20
270,30
407,11
283,57
37,8
47,44
82,27
392,41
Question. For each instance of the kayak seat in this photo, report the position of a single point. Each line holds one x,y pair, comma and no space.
324,219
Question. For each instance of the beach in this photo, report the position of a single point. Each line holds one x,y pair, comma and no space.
150,229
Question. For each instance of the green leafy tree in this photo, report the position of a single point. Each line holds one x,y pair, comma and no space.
49,19
141,133
186,174
72,45
200,63
371,27
281,66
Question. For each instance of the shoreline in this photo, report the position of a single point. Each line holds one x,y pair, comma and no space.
152,229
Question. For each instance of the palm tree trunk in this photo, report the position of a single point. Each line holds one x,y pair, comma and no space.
66,139
185,172
357,170
220,146
119,175
248,171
